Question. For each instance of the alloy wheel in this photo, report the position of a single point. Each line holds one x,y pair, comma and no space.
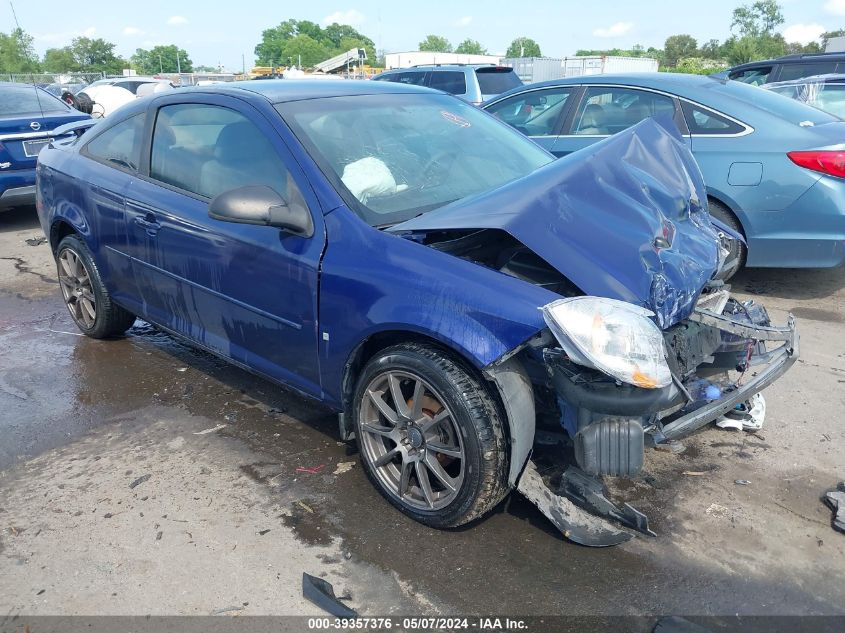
412,441
77,290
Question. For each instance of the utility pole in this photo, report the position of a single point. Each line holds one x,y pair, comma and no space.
160,66
178,65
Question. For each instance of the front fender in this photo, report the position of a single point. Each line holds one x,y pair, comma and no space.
375,282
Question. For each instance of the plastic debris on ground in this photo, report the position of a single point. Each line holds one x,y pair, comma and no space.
836,500
746,416
320,592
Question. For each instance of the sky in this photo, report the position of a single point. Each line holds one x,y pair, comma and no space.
216,33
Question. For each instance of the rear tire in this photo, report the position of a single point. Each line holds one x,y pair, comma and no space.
86,298
440,455
726,216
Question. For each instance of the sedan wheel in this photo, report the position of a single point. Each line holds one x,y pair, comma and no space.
410,437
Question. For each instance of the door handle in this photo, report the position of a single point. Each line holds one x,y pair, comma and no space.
149,224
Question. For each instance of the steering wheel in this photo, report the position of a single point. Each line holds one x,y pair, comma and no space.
428,169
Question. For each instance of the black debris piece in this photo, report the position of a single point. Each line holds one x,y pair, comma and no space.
836,500
140,480
320,592
36,241
676,624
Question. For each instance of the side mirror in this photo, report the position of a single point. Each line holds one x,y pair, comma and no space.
258,204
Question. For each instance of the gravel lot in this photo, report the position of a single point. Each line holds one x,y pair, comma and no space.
225,523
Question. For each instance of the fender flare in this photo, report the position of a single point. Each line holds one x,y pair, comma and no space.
517,396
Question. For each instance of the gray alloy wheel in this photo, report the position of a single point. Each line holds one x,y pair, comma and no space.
77,289
86,297
411,439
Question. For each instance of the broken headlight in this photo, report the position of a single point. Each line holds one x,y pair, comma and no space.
615,337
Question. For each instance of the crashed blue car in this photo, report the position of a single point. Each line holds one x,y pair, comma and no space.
427,272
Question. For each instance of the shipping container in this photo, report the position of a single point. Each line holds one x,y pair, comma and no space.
533,69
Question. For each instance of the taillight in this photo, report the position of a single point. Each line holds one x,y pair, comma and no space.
830,163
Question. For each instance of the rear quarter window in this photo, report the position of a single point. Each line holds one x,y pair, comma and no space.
494,81
453,82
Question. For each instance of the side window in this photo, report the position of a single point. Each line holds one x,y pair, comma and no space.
120,145
207,150
416,78
533,113
754,76
453,82
703,121
799,71
606,110
831,98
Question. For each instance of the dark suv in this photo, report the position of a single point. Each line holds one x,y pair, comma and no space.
786,68
471,82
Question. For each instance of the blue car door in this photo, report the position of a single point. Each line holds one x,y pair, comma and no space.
608,109
244,291
539,113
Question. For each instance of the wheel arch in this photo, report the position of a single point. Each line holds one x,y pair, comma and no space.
731,206
507,384
59,230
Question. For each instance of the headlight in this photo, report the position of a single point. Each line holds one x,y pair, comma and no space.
612,336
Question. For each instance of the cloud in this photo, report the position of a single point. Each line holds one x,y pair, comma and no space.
803,33
89,32
836,7
614,30
350,17
464,21
131,30
176,20
63,37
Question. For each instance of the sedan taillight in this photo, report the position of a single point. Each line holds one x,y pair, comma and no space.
831,163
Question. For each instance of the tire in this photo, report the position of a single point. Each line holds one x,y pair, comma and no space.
86,298
738,249
456,413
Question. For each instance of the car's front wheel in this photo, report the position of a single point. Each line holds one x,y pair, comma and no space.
89,303
431,435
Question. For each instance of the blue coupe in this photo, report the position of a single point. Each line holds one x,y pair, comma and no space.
774,168
425,271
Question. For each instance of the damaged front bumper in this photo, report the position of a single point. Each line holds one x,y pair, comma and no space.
721,360
775,363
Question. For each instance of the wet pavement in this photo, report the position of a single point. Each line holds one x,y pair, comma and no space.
766,548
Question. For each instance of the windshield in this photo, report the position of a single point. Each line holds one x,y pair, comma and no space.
395,156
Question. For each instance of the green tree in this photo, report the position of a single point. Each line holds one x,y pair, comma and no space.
678,47
284,44
523,47
435,44
303,50
162,58
59,60
96,55
758,19
471,47
711,49
17,54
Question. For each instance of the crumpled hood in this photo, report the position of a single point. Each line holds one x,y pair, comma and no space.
625,218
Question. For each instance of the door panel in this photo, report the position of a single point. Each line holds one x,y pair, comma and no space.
246,292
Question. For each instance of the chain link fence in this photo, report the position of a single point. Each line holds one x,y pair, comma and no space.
45,79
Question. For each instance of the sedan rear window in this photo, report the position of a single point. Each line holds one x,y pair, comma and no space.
28,100
495,81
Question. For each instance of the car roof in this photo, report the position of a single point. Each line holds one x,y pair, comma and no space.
677,83
283,90
800,57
